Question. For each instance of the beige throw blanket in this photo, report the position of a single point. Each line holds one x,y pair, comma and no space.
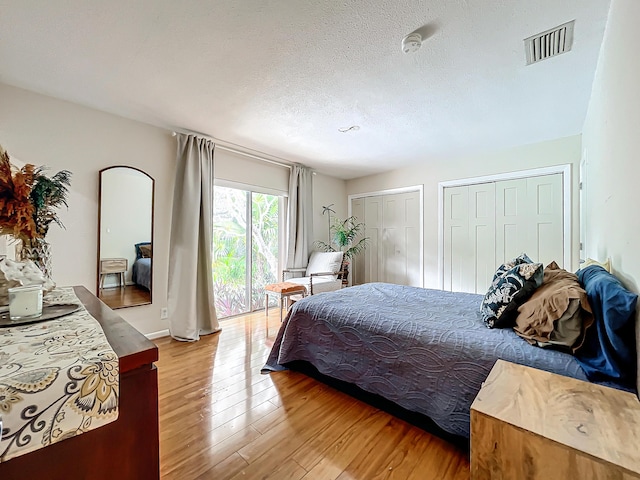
557,313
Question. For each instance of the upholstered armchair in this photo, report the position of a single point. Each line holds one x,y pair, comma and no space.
321,273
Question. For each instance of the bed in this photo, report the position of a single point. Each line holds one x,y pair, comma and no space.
141,273
427,351
141,270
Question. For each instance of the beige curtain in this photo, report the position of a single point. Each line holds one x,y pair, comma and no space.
190,290
299,217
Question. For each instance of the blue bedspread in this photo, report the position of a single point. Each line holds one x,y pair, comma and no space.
426,350
141,272
609,350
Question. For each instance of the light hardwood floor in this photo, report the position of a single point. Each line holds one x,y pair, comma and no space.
221,419
125,297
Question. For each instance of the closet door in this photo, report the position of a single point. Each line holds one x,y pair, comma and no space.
401,239
512,219
373,255
392,224
469,237
457,250
412,235
529,219
488,224
482,235
545,219
358,263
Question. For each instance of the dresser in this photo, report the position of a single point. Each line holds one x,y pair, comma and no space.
127,449
531,424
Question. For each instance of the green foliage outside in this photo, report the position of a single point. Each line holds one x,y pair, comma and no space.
265,214
230,249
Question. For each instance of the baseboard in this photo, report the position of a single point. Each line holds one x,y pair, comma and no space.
160,334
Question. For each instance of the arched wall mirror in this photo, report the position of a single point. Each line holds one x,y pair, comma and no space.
125,238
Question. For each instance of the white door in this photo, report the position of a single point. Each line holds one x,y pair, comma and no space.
373,256
584,219
457,251
392,224
512,222
482,236
357,266
401,239
487,224
545,233
469,237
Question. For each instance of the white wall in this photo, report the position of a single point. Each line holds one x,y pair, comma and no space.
46,131
430,173
327,190
611,142
62,135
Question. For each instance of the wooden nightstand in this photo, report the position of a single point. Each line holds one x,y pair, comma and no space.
531,424
113,265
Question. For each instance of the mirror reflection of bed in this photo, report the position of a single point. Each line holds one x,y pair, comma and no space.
125,249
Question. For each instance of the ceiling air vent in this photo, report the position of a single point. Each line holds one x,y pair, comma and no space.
550,43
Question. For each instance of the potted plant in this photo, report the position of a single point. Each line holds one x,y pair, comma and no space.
342,234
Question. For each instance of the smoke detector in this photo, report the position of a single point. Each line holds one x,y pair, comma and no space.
411,43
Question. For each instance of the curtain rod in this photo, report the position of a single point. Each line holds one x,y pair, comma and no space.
233,150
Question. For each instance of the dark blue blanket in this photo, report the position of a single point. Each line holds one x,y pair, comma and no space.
609,350
426,350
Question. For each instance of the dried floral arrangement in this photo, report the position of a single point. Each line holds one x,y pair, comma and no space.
29,199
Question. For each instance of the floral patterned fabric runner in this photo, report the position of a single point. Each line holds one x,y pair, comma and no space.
58,379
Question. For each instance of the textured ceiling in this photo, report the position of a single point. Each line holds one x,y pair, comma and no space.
282,77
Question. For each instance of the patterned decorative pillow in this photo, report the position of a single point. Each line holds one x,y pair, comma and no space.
505,267
513,283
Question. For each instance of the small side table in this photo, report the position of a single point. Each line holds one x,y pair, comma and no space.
527,423
113,265
282,290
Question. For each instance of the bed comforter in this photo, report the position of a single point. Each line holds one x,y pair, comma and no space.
141,273
426,350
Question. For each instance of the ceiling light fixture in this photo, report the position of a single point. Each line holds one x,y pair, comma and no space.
412,43
352,128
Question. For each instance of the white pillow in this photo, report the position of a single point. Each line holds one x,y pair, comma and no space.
321,262
590,261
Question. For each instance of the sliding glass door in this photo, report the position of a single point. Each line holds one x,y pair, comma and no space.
246,239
